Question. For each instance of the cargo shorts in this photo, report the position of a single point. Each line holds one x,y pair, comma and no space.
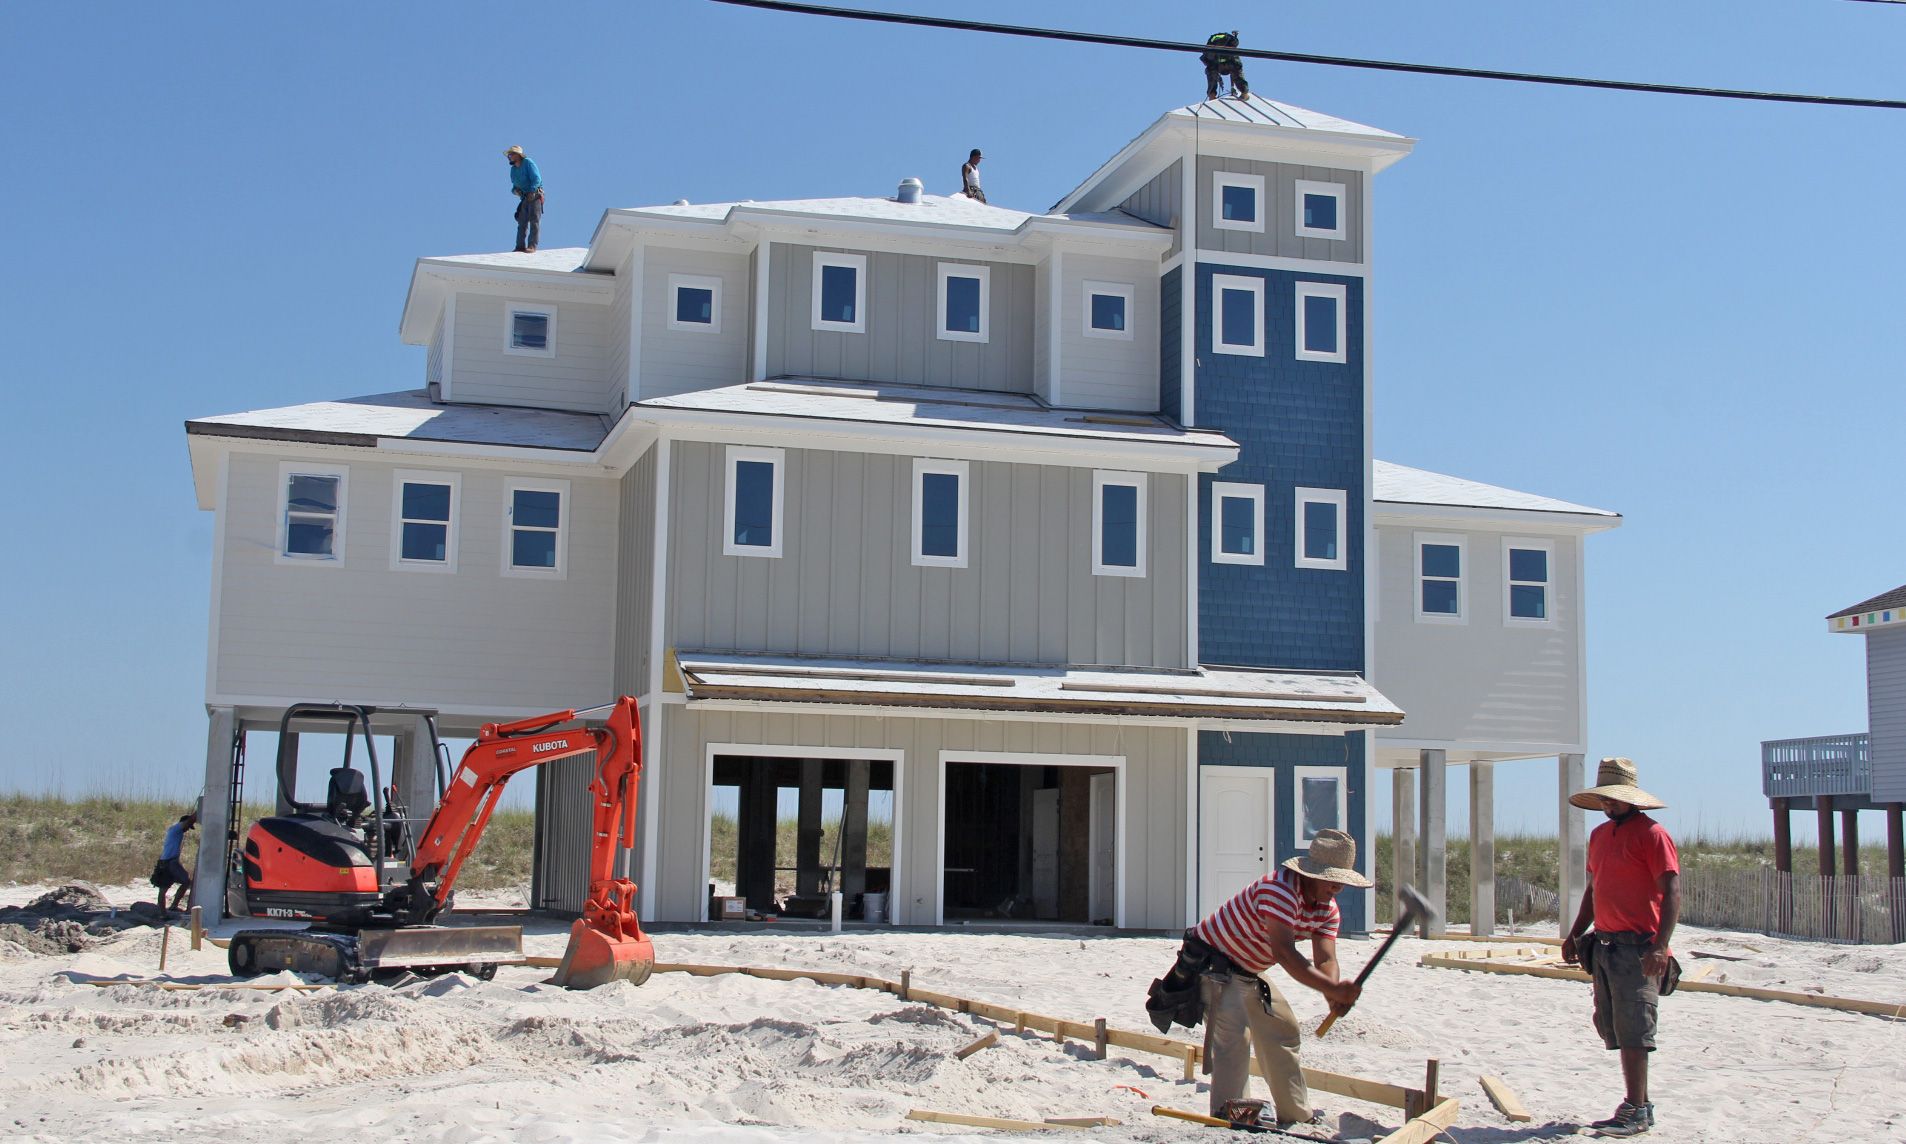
1626,999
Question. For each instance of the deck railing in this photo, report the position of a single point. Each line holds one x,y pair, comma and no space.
1824,764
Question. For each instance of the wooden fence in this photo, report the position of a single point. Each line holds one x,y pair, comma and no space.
1869,909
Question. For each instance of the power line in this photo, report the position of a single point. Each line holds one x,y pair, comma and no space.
1307,58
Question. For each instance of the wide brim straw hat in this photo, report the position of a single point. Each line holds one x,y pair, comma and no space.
514,151
1615,779
1332,858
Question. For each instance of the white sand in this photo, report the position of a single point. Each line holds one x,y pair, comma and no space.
741,1059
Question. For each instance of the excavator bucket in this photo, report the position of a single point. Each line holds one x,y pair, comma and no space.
594,958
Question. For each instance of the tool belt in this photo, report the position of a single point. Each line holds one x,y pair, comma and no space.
1585,953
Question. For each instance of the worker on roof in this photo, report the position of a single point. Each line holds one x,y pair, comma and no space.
969,177
169,871
1219,63
526,183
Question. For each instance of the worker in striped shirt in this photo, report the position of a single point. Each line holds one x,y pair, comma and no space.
1246,936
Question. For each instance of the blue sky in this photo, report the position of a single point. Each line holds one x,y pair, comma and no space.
1686,310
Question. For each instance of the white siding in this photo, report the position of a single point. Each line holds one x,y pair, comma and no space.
433,364
616,330
1108,373
1042,330
578,377
680,361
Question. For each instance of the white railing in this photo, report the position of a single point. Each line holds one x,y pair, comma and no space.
1824,764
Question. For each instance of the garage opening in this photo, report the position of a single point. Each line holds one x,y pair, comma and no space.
785,833
1030,843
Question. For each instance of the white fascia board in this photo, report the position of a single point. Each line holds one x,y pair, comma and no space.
423,301
1272,726
515,456
1394,739
206,454
907,440
885,237
1077,236
1461,516
1299,145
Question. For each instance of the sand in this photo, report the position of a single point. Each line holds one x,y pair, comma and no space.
742,1059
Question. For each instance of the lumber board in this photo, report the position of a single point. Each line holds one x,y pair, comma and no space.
1451,961
1085,1121
187,986
987,1041
1491,938
1892,1009
1505,1101
1427,1127
962,1118
1360,1088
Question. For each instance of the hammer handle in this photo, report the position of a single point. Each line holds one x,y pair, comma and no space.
1395,932
1327,1023
1198,1118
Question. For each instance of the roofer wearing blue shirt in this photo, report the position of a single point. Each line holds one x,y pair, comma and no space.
526,183
169,870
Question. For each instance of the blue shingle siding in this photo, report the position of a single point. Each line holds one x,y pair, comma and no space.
1285,753
1170,357
1300,424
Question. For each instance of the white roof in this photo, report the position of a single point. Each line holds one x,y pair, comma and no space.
932,210
1400,484
1271,113
410,415
560,260
1205,693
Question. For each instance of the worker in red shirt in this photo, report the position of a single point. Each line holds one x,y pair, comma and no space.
1633,899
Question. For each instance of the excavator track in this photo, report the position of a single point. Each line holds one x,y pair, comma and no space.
374,954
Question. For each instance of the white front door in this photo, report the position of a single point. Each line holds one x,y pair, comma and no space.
1103,844
1234,831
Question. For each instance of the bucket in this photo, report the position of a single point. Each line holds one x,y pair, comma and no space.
873,907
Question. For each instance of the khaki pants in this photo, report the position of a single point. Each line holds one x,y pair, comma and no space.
1235,1020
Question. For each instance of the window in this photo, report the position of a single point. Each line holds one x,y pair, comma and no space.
939,513
535,527
1320,801
694,303
1237,315
1440,596
840,292
529,330
1321,530
1237,524
1108,310
1320,322
964,298
310,513
1320,210
1526,571
1118,523
753,520
424,521
1237,201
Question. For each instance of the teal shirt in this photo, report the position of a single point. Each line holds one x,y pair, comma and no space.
525,178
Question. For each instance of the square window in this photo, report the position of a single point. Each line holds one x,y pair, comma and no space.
1118,523
752,512
1237,523
840,292
1108,310
940,498
1322,530
1320,210
1240,204
1526,582
310,513
1237,315
694,303
423,522
529,330
1322,801
1237,201
1440,595
535,525
1320,321
964,302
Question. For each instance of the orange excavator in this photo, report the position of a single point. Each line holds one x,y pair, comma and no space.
373,892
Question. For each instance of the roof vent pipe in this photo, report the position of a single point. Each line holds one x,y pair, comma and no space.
909,191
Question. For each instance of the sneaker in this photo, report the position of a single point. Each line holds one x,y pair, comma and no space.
1629,1120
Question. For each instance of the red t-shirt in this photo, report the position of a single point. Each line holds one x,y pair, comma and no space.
1626,859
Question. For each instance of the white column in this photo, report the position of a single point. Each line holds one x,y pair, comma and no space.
1402,832
1482,848
1571,843
208,879
1435,856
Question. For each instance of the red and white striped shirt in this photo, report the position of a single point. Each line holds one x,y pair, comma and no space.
1241,928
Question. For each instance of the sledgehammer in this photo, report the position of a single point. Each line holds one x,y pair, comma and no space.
1415,909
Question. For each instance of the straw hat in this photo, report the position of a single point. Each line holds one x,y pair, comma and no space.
1615,779
1332,858
514,151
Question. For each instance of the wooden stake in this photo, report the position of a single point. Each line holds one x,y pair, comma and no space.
1191,1062
1098,1036
1504,1100
987,1041
906,983
1019,1023
198,927
1431,1075
165,939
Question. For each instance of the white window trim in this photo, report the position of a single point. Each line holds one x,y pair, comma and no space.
1298,775
777,520
1330,497
858,264
966,270
1253,493
288,469
1509,619
1332,290
1335,191
565,509
1255,286
678,282
424,477
1222,179
510,310
1461,542
921,467
1100,479
1123,290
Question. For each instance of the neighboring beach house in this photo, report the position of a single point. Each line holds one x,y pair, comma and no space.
1045,538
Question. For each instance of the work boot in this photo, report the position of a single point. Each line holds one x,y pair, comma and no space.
1629,1120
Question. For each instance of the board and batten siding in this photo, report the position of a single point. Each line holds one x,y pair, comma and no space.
617,331
846,584
900,343
1279,237
681,361
1159,201
577,378
635,578
1042,331
1108,373
1152,808
363,632
1482,681
1886,712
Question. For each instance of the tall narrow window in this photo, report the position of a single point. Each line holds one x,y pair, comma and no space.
1237,523
1237,201
753,513
1527,581
940,497
1439,574
840,292
1118,523
1237,315
964,302
1321,529
1321,801
310,513
694,303
536,522
424,521
1320,322
1320,209
529,329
